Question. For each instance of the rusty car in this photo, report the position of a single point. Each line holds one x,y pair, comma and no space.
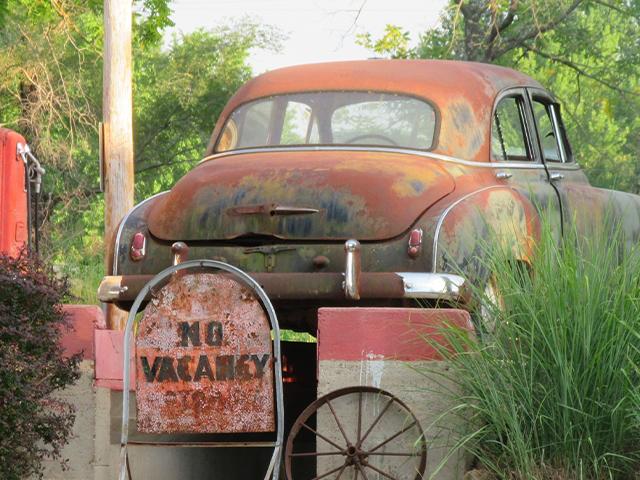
367,183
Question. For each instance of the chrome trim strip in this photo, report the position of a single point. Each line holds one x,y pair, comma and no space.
406,151
432,285
443,216
558,135
563,166
116,244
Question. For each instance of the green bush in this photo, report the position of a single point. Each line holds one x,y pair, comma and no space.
34,425
554,391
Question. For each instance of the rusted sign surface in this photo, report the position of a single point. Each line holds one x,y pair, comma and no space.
204,359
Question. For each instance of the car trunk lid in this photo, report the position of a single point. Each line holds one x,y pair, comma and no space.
300,195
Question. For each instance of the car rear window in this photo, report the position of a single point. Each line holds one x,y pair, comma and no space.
331,118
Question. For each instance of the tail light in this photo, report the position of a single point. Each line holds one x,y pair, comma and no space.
138,247
415,243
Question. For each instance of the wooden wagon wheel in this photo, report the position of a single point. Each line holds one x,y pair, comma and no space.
356,433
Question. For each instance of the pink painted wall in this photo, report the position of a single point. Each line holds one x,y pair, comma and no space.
394,333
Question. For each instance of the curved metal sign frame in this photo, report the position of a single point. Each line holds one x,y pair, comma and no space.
274,465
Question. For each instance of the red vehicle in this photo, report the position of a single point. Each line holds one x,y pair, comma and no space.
13,195
16,213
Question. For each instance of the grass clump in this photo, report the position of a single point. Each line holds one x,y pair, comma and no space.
554,391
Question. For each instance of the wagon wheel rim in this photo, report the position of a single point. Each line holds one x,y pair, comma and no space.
353,452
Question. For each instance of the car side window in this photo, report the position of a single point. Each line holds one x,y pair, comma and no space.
508,132
562,131
547,118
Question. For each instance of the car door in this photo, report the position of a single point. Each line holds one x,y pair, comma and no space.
583,207
516,156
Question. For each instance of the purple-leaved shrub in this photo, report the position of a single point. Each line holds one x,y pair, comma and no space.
34,424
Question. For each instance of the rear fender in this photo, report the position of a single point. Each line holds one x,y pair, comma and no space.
466,228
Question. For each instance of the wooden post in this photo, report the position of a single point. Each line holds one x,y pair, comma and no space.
117,126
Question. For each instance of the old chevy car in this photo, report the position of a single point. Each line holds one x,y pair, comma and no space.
367,183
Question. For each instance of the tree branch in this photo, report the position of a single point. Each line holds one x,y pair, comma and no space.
496,30
581,71
519,40
612,7
504,24
155,166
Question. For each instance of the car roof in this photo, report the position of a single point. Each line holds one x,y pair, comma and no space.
462,92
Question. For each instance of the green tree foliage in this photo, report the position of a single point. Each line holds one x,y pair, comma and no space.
394,43
179,94
585,51
51,92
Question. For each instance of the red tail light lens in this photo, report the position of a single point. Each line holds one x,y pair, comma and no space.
415,243
138,247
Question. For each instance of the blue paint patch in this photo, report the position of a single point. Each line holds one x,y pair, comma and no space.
336,210
417,185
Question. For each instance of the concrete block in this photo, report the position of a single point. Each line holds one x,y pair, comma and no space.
109,348
392,349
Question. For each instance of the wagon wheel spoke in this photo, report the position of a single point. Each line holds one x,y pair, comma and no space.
324,475
314,454
333,412
384,474
397,434
361,470
315,432
393,454
375,422
359,416
341,471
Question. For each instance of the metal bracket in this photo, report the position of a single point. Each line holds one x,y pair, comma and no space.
269,253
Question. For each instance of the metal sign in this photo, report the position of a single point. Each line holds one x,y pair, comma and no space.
204,359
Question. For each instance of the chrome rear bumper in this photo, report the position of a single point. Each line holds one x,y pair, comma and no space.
308,286
353,284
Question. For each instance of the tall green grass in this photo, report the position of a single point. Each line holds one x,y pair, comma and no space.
554,391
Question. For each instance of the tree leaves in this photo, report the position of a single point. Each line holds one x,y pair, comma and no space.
51,91
585,51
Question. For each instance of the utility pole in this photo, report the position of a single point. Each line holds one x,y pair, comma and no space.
117,133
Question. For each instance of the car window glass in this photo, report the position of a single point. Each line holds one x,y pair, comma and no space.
388,121
544,123
255,122
508,134
297,117
331,118
568,153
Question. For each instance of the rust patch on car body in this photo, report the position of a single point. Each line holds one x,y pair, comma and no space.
373,196
204,359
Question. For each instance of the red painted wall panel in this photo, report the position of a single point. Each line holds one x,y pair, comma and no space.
83,320
386,333
13,198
